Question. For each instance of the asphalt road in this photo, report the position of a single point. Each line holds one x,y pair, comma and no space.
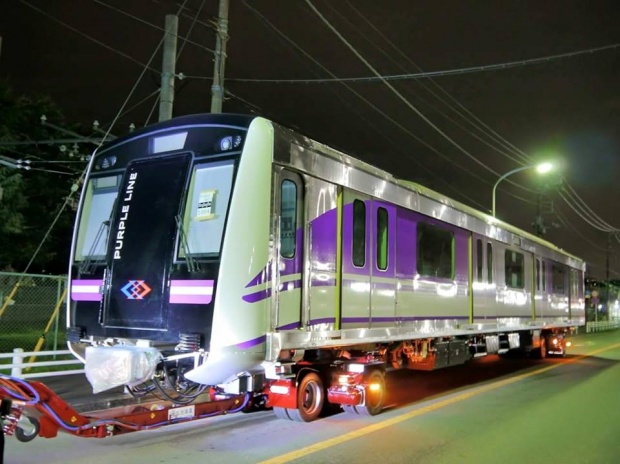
492,410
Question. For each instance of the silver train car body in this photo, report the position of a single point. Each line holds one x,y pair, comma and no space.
234,244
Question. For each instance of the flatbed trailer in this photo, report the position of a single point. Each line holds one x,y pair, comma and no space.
33,409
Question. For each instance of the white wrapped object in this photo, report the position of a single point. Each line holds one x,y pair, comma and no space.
111,366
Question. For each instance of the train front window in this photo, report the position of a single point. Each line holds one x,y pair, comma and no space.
205,209
92,240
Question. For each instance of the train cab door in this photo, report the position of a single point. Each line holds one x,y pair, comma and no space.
357,262
288,279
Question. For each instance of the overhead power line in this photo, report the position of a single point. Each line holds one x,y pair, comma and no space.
430,74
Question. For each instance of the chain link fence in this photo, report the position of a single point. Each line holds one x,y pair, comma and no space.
32,312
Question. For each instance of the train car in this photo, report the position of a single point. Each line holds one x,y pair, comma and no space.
229,252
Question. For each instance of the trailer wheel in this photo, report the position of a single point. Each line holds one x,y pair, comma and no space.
30,433
375,394
310,399
542,354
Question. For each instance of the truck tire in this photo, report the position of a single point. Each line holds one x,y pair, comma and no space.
310,399
375,398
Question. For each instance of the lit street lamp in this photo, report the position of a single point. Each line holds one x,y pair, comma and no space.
541,168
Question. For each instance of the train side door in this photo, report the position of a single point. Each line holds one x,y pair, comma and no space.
357,262
483,287
288,282
383,271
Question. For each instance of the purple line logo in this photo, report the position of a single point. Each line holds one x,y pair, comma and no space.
136,290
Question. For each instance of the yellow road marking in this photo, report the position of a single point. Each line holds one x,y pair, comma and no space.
288,457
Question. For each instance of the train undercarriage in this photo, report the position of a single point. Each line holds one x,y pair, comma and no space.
300,386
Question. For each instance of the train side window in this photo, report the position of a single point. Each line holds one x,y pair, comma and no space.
515,272
537,274
490,273
435,251
479,262
288,218
544,276
359,233
557,278
382,239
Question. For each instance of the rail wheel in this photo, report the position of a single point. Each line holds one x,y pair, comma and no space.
375,394
28,433
310,399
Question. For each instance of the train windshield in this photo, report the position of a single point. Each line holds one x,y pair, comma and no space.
200,221
100,195
202,225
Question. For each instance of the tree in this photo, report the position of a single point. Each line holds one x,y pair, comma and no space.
31,199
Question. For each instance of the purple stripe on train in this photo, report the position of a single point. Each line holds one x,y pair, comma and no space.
252,343
323,320
266,293
257,296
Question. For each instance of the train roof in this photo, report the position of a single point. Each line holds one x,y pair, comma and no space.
486,218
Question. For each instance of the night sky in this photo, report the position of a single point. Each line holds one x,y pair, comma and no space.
286,61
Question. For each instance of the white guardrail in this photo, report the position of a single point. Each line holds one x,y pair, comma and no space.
600,326
20,369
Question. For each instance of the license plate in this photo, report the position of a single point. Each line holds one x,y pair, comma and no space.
185,412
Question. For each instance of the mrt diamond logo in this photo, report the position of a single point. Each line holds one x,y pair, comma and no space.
136,290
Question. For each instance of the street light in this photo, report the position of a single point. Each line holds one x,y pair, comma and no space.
541,168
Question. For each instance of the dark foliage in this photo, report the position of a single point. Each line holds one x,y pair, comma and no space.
33,200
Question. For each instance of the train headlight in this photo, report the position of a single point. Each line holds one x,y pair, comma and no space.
230,142
107,162
226,143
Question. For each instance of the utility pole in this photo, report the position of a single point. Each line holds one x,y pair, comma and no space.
217,89
166,92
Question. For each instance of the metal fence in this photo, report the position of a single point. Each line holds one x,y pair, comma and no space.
32,311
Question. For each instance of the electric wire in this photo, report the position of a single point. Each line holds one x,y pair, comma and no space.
378,110
83,34
577,209
481,126
396,92
159,28
594,217
75,186
429,74
426,87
